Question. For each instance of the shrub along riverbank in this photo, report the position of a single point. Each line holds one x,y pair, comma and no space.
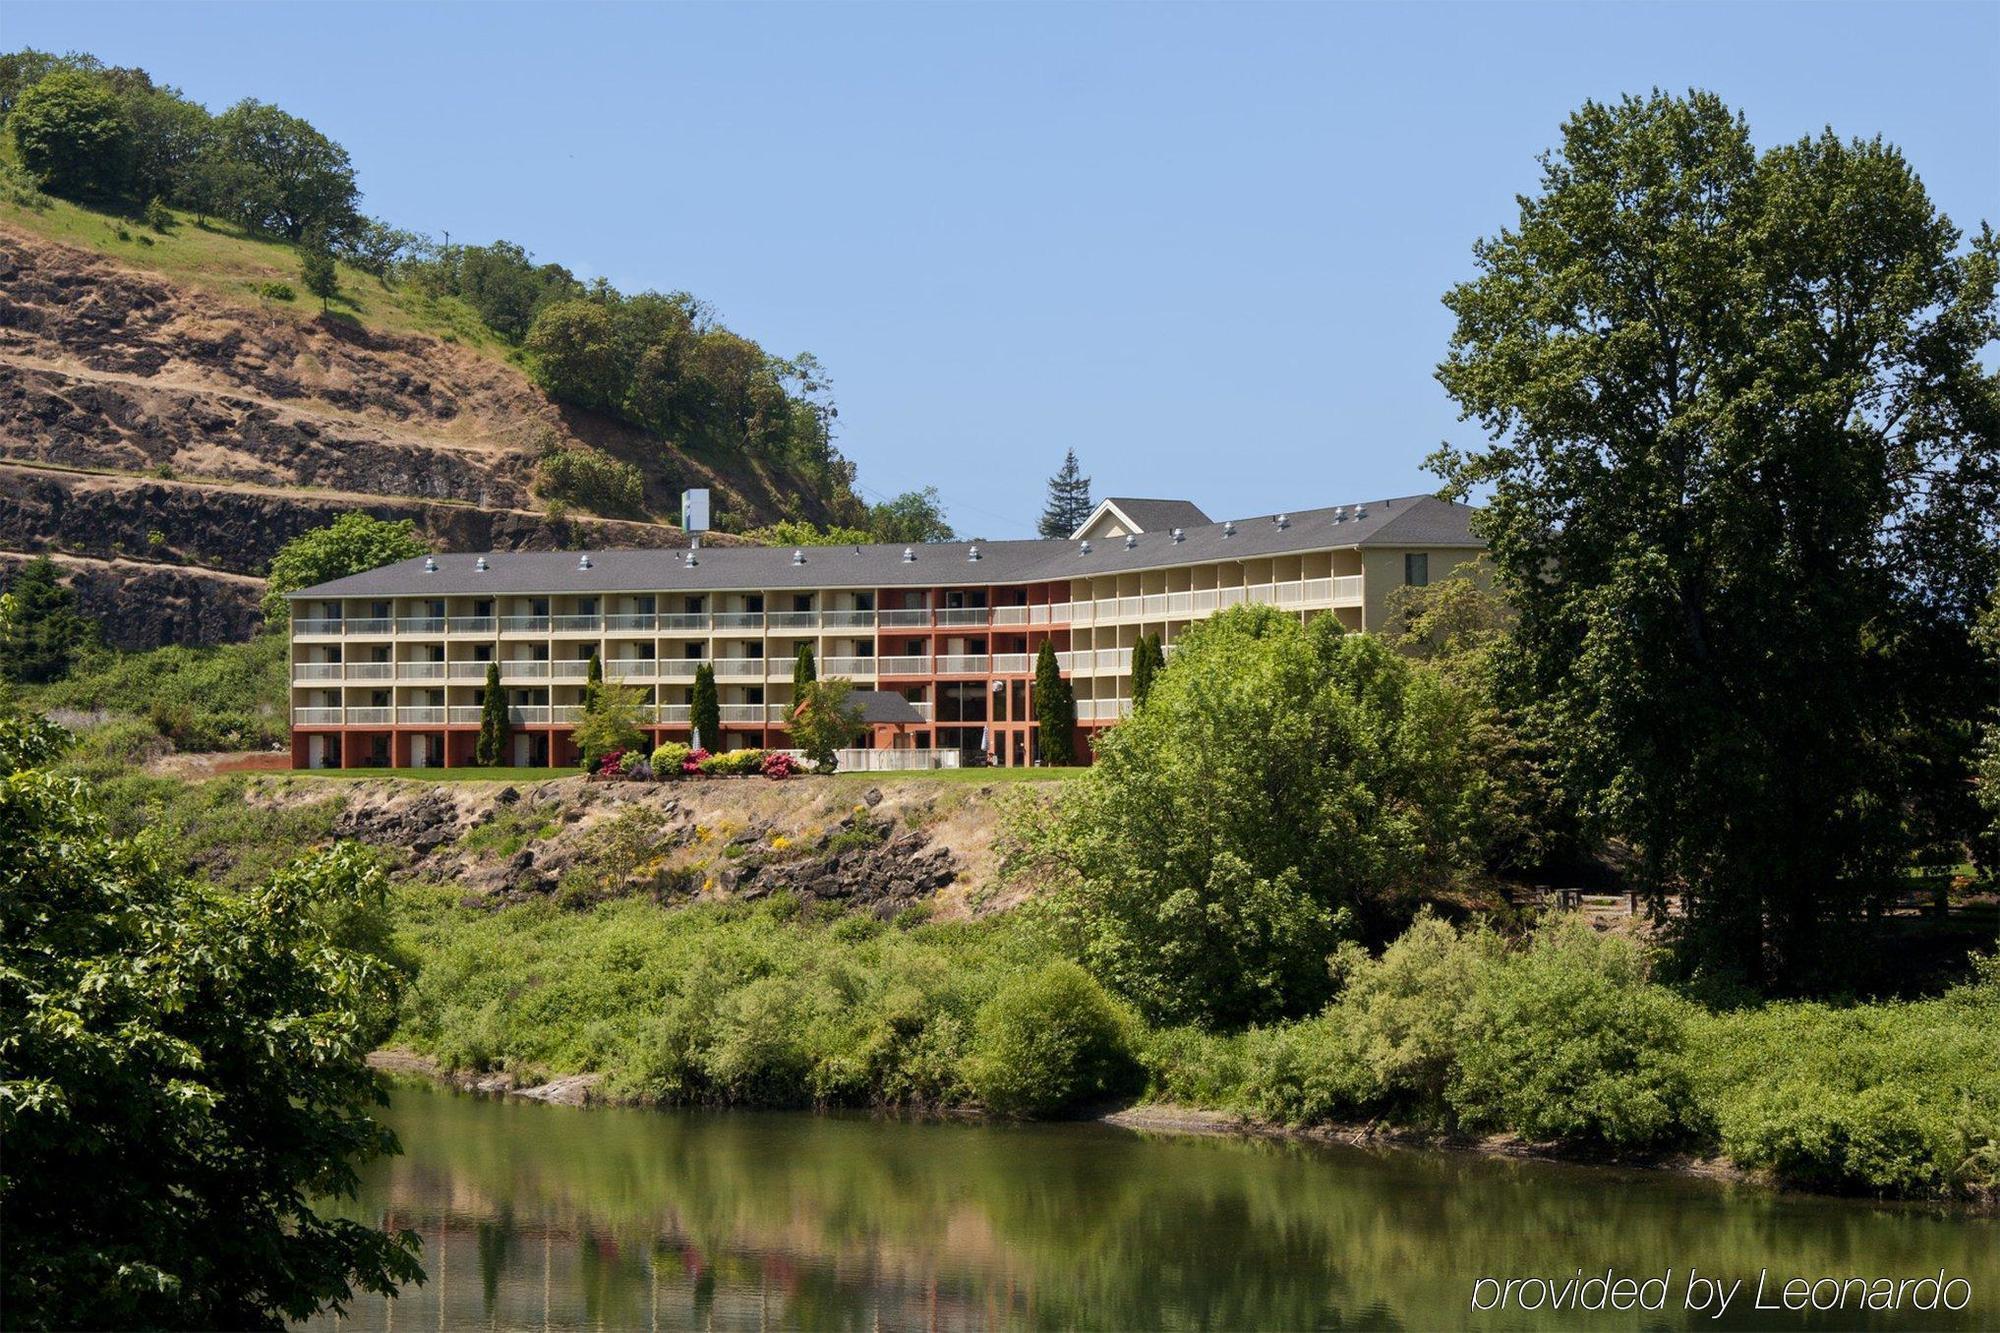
1562,1039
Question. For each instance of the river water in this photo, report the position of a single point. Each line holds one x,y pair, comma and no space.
543,1217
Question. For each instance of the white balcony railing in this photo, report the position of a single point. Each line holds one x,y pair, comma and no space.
371,670
960,664
315,628
372,625
577,624
742,713
847,666
471,624
311,717
522,668
316,671
906,617
468,670
847,619
370,717
631,668
792,619
903,666
740,667
420,625
524,624
673,712
680,621
679,668
1013,664
420,716
566,713
1014,615
461,716
636,621
420,671
528,715
570,670
739,620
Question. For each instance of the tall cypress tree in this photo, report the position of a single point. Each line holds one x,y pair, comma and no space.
1147,659
705,711
805,670
1069,500
1055,709
593,679
490,750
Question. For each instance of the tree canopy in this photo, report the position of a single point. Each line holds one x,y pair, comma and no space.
351,544
41,631
1745,484
1284,788
183,1071
824,719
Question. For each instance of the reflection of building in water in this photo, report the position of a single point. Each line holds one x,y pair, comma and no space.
506,1273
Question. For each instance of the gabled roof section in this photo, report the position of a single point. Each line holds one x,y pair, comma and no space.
885,708
1133,514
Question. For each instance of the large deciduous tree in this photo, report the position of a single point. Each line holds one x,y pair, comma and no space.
297,181
1285,787
351,544
824,719
71,135
181,1073
1743,470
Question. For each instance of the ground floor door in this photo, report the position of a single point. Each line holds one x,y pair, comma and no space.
420,751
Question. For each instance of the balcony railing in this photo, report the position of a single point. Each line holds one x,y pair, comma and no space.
753,667
316,671
960,664
1014,615
370,717
679,668
420,671
316,627
420,625
965,615
566,713
577,624
462,716
570,670
847,666
1013,664
523,669
372,625
630,668
524,624
847,619
906,617
467,670
646,622
752,713
1102,710
471,624
673,712
310,717
903,666
792,619
739,619
683,620
371,670
528,715
420,716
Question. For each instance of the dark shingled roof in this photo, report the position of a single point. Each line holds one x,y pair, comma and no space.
1410,520
1158,515
884,707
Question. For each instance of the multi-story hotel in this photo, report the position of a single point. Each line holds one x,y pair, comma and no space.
389,667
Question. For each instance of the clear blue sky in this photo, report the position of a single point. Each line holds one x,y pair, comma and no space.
1204,246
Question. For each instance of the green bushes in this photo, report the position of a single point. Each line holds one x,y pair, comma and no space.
590,479
1885,1099
669,759
732,1006
1049,1040
226,698
733,764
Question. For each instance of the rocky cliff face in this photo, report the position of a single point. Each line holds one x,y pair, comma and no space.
166,435
875,848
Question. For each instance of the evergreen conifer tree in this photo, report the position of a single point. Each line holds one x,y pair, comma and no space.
705,712
1055,709
1069,500
805,670
490,750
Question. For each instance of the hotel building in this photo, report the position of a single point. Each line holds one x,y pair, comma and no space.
389,667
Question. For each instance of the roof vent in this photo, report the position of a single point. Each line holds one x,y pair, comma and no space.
1229,528
798,557
1361,511
430,564
973,554
1340,513
1083,548
481,565
909,556
689,559
1131,540
1179,537
1284,521
583,562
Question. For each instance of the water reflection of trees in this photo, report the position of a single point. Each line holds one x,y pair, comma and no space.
756,1220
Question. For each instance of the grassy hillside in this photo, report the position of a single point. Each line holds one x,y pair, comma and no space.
228,263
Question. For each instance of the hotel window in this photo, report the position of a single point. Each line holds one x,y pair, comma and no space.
1417,569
